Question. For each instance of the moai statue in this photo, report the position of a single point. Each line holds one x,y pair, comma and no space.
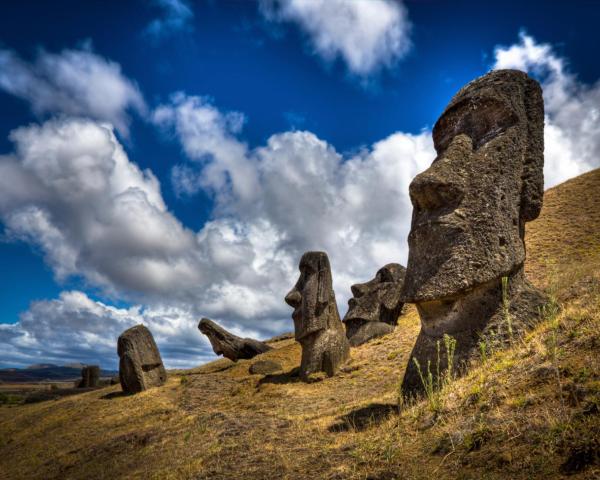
229,345
376,305
317,322
90,376
468,225
140,365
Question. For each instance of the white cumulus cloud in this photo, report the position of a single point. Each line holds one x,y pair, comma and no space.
366,34
177,15
72,82
572,130
75,328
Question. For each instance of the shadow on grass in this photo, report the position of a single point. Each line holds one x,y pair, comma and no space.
110,396
364,417
293,376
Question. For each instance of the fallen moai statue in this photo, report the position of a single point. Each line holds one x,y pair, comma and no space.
375,306
229,345
466,244
317,322
140,365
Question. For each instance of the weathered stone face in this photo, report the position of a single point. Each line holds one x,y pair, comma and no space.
374,309
469,214
229,345
140,365
317,322
471,205
90,376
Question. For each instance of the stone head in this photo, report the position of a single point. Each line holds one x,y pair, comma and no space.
377,300
312,297
471,205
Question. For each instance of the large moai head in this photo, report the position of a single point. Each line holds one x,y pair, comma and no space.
317,324
140,365
375,306
471,205
470,208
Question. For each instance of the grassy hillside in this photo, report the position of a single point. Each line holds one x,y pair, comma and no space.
528,412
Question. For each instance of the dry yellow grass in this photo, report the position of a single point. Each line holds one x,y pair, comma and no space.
529,412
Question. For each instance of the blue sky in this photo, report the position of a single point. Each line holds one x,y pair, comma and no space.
166,160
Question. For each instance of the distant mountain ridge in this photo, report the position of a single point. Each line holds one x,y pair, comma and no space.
46,372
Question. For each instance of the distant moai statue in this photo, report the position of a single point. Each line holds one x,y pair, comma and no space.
90,376
374,309
229,345
317,322
468,225
140,365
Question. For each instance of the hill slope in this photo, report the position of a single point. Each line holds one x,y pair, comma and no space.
529,412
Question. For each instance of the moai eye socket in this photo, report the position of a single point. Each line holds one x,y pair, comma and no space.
385,275
481,119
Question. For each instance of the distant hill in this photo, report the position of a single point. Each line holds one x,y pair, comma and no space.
43,372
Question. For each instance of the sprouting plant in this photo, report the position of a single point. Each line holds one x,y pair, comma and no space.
550,312
483,350
428,384
506,307
434,385
450,344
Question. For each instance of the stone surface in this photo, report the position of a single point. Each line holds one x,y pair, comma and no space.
229,345
90,376
264,367
375,306
140,365
469,213
317,325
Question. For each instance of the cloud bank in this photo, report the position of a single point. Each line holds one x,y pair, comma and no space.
72,82
69,189
367,35
572,130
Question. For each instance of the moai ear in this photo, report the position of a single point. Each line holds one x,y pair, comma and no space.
532,191
324,281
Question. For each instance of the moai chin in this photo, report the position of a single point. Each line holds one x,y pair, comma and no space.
375,306
469,213
140,365
317,322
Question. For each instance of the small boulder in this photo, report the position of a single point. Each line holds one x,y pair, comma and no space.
265,367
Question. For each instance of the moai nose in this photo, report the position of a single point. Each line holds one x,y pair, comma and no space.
293,298
435,188
441,184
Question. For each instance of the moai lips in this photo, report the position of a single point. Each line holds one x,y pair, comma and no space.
317,322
